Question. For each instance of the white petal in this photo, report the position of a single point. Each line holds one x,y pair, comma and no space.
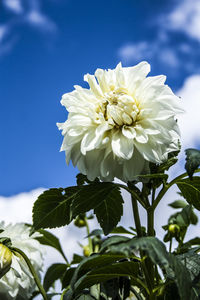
93,85
134,75
129,132
122,146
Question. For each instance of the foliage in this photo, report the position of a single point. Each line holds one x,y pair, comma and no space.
117,262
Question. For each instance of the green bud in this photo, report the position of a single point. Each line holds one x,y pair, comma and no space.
174,229
5,259
79,222
86,251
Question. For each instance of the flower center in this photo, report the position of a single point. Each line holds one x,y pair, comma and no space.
119,108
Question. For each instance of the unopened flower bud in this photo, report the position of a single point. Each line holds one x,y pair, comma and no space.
5,259
86,251
174,229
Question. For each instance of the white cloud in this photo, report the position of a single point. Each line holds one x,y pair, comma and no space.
14,5
23,13
186,18
37,19
157,49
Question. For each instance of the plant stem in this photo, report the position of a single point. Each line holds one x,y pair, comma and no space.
167,186
89,238
136,216
32,270
133,194
150,221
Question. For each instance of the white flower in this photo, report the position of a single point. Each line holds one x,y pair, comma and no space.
18,281
123,122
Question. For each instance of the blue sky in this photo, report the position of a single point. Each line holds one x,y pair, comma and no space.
46,46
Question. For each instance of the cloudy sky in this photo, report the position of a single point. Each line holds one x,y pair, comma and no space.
46,46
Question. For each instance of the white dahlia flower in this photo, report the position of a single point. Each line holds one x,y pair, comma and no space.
123,122
18,281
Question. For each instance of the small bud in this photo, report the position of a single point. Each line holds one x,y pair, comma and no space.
174,229
86,251
5,259
79,222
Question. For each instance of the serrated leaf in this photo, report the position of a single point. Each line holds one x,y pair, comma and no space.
101,274
190,190
52,208
54,272
51,240
91,196
156,250
93,261
121,230
181,276
192,161
95,232
110,210
178,204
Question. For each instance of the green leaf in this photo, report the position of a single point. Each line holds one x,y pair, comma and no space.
181,276
113,240
52,208
54,272
93,261
110,210
154,248
50,239
178,204
95,232
190,190
76,259
121,230
67,276
154,176
91,196
101,274
192,161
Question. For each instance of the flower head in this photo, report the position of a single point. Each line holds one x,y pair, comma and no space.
18,281
123,122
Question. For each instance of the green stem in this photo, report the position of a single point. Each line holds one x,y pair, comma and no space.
64,292
136,216
150,221
89,238
32,270
167,186
133,194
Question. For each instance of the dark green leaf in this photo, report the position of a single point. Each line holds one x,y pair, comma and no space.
67,277
52,208
95,232
92,195
178,204
49,239
190,190
113,240
101,274
76,259
192,161
181,277
110,210
154,176
122,230
54,272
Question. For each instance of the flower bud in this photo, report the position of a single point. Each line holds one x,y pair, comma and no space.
79,222
174,229
86,251
5,259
